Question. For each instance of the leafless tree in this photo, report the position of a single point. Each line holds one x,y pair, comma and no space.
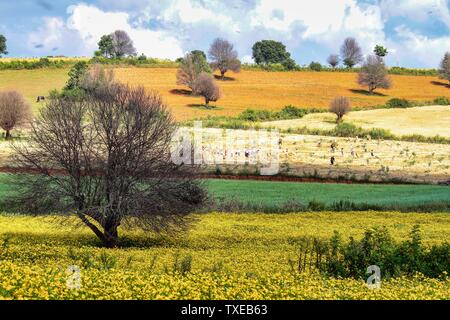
191,67
340,106
444,68
206,86
97,77
107,160
351,52
374,74
122,44
224,57
14,111
333,60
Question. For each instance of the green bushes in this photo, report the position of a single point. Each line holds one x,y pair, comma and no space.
350,130
287,113
412,72
36,64
337,259
315,66
442,101
295,206
398,103
141,61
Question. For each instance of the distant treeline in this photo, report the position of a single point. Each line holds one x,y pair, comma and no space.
31,64
143,61
317,67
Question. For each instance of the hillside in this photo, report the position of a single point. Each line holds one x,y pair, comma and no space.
249,89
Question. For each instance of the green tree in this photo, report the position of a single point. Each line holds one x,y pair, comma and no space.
199,53
76,75
444,69
3,45
380,51
289,64
105,46
269,52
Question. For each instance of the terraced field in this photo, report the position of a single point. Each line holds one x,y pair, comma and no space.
304,155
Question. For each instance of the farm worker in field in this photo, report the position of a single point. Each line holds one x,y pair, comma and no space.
333,161
334,146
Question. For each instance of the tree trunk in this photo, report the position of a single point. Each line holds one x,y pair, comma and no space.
111,235
111,239
207,103
8,134
222,74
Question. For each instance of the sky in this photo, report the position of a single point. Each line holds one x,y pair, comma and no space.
416,32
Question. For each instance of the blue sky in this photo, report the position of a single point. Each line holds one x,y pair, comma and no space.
416,32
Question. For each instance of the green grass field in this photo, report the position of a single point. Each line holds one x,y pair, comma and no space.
280,192
33,83
276,193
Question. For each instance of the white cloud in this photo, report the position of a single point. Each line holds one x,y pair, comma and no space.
418,10
311,30
415,47
88,23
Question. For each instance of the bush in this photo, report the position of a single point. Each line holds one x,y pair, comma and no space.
316,206
398,103
315,66
350,260
256,115
442,101
289,64
347,130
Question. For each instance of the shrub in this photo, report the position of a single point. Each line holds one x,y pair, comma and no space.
315,66
289,64
398,103
340,106
350,260
316,206
442,101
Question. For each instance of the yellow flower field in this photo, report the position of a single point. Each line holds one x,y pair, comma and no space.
234,256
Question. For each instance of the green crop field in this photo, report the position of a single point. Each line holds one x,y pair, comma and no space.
276,193
33,83
279,192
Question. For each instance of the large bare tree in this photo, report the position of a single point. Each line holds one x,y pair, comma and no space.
224,57
444,68
206,86
122,45
106,158
14,111
374,74
333,60
351,52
